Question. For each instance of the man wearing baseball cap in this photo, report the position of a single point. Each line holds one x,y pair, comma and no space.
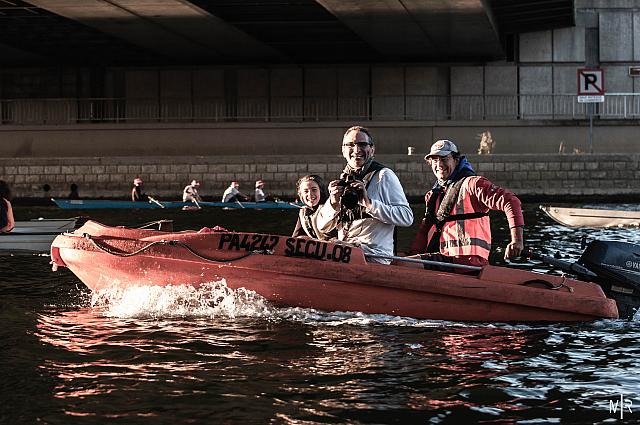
456,227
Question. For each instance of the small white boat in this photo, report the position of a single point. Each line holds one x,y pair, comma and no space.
591,217
45,224
34,235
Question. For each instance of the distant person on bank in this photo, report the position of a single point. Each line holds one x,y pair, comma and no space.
313,193
190,192
259,192
456,227
233,194
73,192
137,195
7,221
367,202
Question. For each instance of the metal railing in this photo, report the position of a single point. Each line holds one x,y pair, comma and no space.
291,109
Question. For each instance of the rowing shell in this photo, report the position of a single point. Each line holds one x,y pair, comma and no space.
102,203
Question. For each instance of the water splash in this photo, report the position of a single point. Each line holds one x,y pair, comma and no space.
215,300
211,300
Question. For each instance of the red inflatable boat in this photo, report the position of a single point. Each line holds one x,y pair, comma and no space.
320,275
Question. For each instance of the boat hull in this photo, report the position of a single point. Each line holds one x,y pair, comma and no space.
320,275
590,217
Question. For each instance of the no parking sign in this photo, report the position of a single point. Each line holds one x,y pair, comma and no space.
590,85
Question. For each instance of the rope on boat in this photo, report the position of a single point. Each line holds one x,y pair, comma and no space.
170,243
121,254
549,285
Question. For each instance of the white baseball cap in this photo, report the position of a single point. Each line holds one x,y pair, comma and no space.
442,148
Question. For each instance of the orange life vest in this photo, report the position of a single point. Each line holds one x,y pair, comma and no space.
464,231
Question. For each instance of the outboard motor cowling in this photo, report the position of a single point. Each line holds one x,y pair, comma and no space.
617,265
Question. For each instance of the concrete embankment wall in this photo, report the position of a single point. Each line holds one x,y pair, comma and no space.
310,138
165,176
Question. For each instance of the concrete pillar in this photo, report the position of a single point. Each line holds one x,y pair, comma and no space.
387,93
354,93
175,94
636,36
500,90
320,93
616,36
253,94
536,88
142,94
568,44
536,46
286,94
467,89
427,91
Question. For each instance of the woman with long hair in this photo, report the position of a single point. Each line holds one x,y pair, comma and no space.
312,191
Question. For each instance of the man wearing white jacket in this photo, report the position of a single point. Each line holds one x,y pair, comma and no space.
367,202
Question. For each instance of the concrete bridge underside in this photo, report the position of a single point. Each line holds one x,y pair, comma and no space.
103,37
181,32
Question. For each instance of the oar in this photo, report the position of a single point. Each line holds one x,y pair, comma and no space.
155,201
239,203
429,262
151,224
196,202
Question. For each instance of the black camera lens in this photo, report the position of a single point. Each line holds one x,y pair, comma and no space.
350,198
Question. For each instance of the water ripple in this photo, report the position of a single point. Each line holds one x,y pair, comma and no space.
180,355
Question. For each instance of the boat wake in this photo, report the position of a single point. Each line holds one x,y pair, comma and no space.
215,300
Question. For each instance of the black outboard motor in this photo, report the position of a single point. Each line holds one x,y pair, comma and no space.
617,266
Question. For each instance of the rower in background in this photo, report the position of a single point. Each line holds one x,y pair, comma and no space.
137,195
233,194
190,192
73,192
259,193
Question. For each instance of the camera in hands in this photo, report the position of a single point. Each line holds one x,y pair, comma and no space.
350,196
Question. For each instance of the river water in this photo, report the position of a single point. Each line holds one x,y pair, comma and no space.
172,356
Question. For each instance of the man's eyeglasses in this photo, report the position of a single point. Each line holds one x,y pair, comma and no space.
359,144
